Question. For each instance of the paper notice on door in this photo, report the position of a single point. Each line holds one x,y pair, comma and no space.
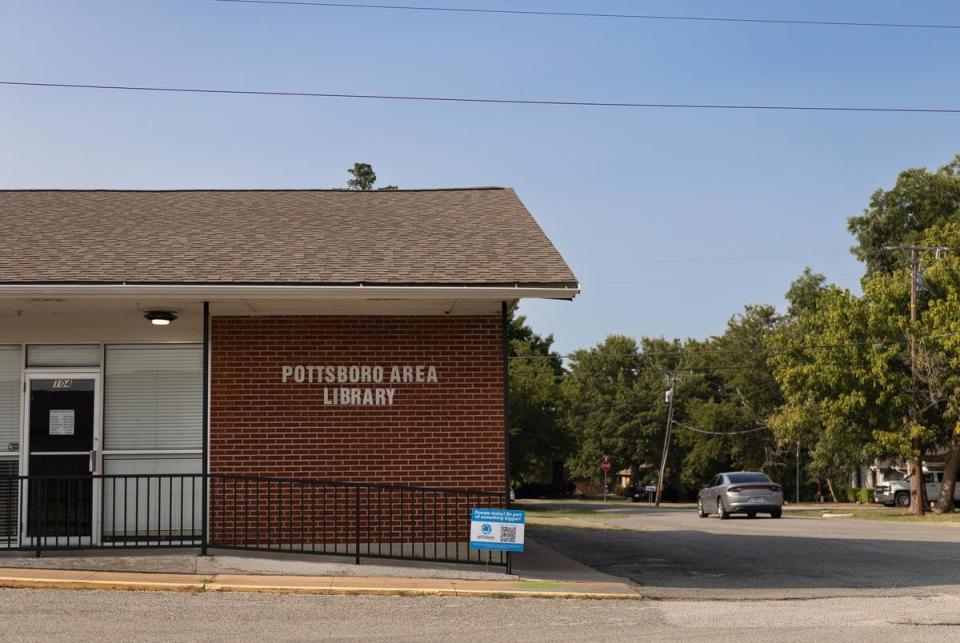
61,422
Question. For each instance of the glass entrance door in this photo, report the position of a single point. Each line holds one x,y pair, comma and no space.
61,426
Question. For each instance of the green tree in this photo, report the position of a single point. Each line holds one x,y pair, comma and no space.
804,292
363,175
833,367
938,350
920,207
662,366
845,371
919,200
733,391
537,436
602,406
364,178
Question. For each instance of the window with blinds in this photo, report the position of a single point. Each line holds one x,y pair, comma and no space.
10,368
153,398
9,501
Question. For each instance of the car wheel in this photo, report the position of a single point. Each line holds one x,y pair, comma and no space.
721,510
752,514
700,511
902,499
776,513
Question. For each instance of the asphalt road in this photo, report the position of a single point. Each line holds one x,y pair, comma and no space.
673,553
729,580
58,615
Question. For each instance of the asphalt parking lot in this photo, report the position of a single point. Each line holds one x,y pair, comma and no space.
673,553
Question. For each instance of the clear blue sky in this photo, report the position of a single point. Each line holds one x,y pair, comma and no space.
617,190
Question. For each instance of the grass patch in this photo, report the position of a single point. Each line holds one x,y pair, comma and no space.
880,514
563,512
592,527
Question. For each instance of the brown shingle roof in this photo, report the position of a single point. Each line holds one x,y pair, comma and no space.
482,236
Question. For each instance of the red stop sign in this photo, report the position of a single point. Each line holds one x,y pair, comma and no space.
606,465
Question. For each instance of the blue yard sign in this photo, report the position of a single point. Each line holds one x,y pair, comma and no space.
497,529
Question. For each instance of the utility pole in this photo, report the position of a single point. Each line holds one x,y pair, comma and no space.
798,471
666,437
917,491
916,486
605,478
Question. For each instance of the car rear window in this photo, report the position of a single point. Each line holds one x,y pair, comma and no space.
740,478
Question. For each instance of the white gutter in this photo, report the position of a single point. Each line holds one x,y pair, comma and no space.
228,291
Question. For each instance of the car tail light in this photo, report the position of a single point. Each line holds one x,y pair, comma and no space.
771,487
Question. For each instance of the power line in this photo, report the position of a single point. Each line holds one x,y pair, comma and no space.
696,430
713,259
706,284
490,101
592,14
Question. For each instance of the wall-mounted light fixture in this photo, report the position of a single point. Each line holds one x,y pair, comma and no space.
160,317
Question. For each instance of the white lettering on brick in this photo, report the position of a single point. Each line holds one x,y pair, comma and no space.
358,374
346,396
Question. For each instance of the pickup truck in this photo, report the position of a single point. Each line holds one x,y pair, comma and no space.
896,493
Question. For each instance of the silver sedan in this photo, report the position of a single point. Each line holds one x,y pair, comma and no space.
740,492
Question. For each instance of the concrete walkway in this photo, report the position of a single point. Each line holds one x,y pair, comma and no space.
246,563
538,572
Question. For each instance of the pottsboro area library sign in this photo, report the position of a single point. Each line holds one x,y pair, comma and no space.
340,382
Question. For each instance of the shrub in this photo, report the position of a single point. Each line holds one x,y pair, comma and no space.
843,492
851,493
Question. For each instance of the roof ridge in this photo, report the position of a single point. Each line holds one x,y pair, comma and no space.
331,190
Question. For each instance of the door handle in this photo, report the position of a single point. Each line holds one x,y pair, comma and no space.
93,461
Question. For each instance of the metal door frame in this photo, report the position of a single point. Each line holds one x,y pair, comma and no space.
73,373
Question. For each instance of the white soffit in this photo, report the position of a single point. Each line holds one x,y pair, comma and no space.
227,291
78,309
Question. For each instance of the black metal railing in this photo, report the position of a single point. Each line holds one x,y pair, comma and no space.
108,511
256,513
347,519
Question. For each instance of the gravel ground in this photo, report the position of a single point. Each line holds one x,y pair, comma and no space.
59,615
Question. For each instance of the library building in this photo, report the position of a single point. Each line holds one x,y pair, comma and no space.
319,371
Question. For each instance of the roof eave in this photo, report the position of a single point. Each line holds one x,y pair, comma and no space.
291,291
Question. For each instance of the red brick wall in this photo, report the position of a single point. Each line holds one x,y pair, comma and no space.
443,434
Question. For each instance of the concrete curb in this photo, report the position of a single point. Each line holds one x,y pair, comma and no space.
66,583
419,591
324,586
